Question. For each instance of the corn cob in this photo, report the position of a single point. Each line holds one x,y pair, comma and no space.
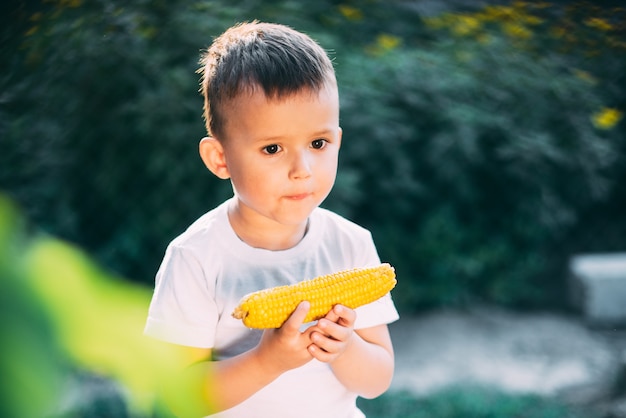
270,308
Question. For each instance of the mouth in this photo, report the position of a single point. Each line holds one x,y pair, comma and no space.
299,196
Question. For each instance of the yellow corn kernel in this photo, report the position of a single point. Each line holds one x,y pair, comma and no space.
270,308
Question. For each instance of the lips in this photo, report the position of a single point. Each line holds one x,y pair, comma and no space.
299,196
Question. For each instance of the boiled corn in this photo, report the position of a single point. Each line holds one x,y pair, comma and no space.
270,308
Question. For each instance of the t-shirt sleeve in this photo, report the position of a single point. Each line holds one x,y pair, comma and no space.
382,311
379,312
183,309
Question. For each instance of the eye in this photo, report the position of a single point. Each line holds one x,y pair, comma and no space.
271,149
318,143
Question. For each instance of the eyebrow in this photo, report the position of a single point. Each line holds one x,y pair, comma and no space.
324,132
321,133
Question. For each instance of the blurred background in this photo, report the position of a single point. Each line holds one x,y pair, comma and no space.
484,142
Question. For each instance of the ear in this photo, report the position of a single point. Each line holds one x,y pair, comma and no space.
212,154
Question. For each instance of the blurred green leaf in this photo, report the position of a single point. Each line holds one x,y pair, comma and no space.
31,364
99,322
60,313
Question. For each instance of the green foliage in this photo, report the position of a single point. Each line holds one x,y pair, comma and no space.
482,147
30,365
61,313
467,402
486,153
106,127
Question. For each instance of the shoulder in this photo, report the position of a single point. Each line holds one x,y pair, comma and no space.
203,233
344,238
197,254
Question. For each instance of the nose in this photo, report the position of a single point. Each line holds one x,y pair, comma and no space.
300,165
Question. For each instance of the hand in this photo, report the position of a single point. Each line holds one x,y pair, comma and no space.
332,334
285,348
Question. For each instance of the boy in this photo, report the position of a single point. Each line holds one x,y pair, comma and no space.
272,114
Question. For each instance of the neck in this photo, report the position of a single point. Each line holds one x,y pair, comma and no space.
259,232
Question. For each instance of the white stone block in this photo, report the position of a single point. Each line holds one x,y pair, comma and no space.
598,287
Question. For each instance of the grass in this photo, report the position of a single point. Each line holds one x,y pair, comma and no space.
467,402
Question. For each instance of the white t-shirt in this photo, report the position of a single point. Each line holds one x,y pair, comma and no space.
208,269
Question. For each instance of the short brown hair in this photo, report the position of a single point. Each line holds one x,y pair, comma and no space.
276,58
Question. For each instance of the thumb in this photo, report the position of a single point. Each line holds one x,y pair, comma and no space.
297,316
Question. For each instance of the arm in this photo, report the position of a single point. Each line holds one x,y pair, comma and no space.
229,382
347,351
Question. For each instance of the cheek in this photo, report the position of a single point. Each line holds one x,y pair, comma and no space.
241,168
329,168
255,179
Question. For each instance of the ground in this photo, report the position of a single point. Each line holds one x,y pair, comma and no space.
551,354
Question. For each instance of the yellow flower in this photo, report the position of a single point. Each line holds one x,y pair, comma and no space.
606,118
383,44
499,12
516,30
533,20
350,13
387,42
596,22
465,25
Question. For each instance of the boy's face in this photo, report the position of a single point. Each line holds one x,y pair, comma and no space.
281,155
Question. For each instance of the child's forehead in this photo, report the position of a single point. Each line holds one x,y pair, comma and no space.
306,109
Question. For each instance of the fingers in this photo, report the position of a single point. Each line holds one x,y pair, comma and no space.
327,342
332,334
285,348
341,315
326,347
338,323
296,319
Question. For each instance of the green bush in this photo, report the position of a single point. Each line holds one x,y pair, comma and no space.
481,147
475,166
